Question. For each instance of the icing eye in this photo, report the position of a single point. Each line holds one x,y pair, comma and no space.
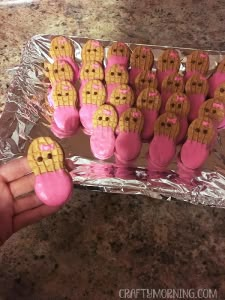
214,111
172,61
55,71
117,98
199,63
93,70
135,120
206,110
149,80
127,119
179,105
112,73
136,56
59,95
193,61
205,131
143,56
114,50
124,98
194,83
49,156
121,50
197,129
95,50
100,118
62,69
164,60
222,90
200,84
172,104
142,80
150,101
88,50
170,82
47,69
40,159
119,74
163,124
168,124
177,84
62,47
56,47
95,93
88,93
86,70
143,100
107,118
67,94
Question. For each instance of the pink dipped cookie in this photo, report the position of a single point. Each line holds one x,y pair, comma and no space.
60,71
172,83
65,115
91,71
149,102
62,49
118,53
197,62
196,89
53,185
168,62
219,93
217,78
213,109
162,148
102,140
92,95
196,149
92,51
128,142
141,59
145,79
122,98
114,76
179,104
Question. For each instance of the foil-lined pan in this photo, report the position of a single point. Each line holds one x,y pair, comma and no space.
25,117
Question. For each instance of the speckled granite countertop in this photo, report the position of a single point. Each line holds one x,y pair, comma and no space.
101,243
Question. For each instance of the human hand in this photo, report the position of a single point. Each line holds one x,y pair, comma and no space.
19,206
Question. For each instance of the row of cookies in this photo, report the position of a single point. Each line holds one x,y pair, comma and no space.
63,74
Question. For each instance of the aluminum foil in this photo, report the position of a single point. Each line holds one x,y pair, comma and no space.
26,117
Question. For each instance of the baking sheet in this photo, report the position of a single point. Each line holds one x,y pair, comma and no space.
25,118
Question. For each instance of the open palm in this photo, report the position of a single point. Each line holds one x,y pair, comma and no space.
19,206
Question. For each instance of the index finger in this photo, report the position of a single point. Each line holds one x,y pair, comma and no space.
15,169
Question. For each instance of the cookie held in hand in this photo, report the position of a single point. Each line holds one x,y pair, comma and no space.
53,185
